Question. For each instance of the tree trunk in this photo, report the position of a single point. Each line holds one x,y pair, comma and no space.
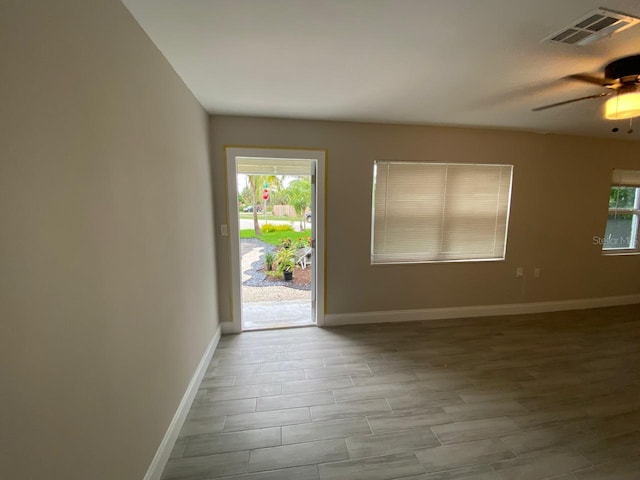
254,188
256,225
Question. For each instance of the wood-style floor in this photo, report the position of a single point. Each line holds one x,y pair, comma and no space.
524,397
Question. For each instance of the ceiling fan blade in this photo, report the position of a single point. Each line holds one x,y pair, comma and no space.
603,82
603,94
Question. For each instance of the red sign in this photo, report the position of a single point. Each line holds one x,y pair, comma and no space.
265,194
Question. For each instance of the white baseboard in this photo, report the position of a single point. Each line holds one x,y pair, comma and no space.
336,319
164,450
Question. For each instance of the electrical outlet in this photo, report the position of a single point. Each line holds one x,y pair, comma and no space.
224,230
536,272
519,272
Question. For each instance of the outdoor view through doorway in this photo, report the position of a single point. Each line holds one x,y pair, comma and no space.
276,225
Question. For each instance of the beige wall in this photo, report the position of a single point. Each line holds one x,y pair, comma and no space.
107,277
559,203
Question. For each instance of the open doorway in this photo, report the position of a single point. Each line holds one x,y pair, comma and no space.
276,231
275,212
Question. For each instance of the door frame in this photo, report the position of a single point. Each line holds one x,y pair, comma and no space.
317,155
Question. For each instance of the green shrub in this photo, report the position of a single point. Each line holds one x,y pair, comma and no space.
285,243
269,227
269,258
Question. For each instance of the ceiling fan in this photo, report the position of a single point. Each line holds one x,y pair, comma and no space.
622,79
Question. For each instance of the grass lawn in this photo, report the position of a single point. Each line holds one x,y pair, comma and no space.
275,238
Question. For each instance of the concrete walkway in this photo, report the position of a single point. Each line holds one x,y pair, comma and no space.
279,314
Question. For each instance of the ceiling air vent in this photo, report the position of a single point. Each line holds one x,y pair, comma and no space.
595,25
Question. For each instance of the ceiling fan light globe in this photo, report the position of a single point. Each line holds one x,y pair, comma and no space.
623,105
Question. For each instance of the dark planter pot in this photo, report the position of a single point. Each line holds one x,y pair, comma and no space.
288,275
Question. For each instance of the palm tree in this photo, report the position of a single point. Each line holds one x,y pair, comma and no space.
299,193
256,184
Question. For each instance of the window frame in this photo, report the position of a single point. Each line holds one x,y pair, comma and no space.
635,212
502,258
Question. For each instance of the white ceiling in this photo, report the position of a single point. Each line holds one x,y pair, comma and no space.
446,62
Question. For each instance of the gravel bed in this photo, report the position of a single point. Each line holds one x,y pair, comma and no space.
253,252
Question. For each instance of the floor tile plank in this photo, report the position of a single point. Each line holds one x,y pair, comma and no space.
384,467
391,442
461,432
349,409
478,452
232,442
278,402
340,428
297,454
405,421
273,418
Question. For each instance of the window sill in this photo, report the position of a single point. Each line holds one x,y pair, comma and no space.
423,262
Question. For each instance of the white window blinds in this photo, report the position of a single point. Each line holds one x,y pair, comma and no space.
429,212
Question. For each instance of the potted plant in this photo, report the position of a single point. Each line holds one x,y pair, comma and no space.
268,260
286,261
